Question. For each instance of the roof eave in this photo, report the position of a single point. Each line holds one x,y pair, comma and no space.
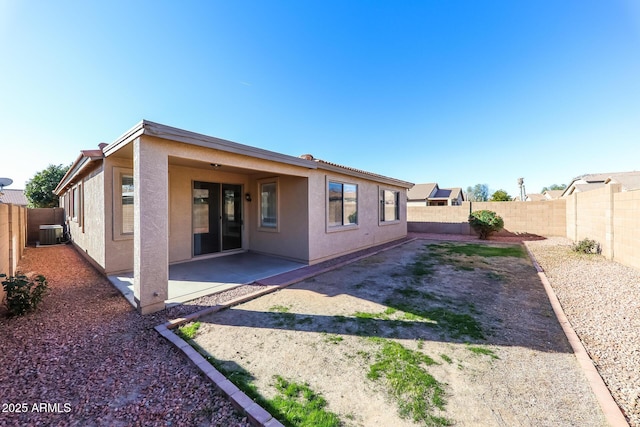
146,127
367,176
80,164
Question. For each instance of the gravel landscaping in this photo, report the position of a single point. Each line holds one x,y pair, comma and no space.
601,298
89,355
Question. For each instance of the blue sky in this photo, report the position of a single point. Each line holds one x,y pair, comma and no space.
454,92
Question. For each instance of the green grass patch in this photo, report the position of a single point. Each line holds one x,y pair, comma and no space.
475,249
416,392
456,324
420,269
188,331
333,339
279,309
498,277
446,358
482,351
295,405
298,405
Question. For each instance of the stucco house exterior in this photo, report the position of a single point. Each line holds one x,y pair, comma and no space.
160,195
430,194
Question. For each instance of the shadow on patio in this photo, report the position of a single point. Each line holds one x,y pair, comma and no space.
193,279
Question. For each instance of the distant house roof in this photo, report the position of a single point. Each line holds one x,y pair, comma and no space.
447,193
541,197
431,191
535,197
14,197
421,191
553,194
587,182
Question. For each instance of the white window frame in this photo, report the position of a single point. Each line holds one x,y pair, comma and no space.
341,227
76,204
381,206
117,217
261,225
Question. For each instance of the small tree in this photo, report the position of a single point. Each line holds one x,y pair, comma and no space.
39,189
485,223
478,193
501,196
554,187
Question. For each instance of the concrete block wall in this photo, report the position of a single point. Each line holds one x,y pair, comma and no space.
626,228
546,218
439,219
607,215
591,207
13,235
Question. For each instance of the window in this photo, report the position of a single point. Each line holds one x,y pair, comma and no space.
123,188
343,204
126,194
269,204
389,205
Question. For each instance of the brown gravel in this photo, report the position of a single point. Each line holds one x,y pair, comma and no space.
89,355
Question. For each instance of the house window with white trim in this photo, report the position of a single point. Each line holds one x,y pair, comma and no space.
268,190
389,205
126,186
342,204
123,187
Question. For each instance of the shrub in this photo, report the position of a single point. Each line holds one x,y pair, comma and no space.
587,246
485,222
23,294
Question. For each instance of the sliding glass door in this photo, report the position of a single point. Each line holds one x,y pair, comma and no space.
217,217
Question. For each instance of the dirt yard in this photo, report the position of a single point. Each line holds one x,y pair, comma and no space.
480,324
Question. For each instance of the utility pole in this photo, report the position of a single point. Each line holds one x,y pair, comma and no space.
523,194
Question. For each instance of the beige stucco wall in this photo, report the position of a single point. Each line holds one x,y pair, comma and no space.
118,249
325,243
291,239
87,231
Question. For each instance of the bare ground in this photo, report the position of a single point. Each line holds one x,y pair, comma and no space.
310,333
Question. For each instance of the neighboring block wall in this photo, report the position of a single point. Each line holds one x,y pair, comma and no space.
42,216
606,215
626,228
439,219
546,218
13,237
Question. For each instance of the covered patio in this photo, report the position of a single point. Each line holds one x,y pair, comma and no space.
193,279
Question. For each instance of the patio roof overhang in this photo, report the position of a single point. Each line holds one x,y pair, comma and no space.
148,128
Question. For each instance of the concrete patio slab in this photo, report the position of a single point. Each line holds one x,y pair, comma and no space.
194,279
